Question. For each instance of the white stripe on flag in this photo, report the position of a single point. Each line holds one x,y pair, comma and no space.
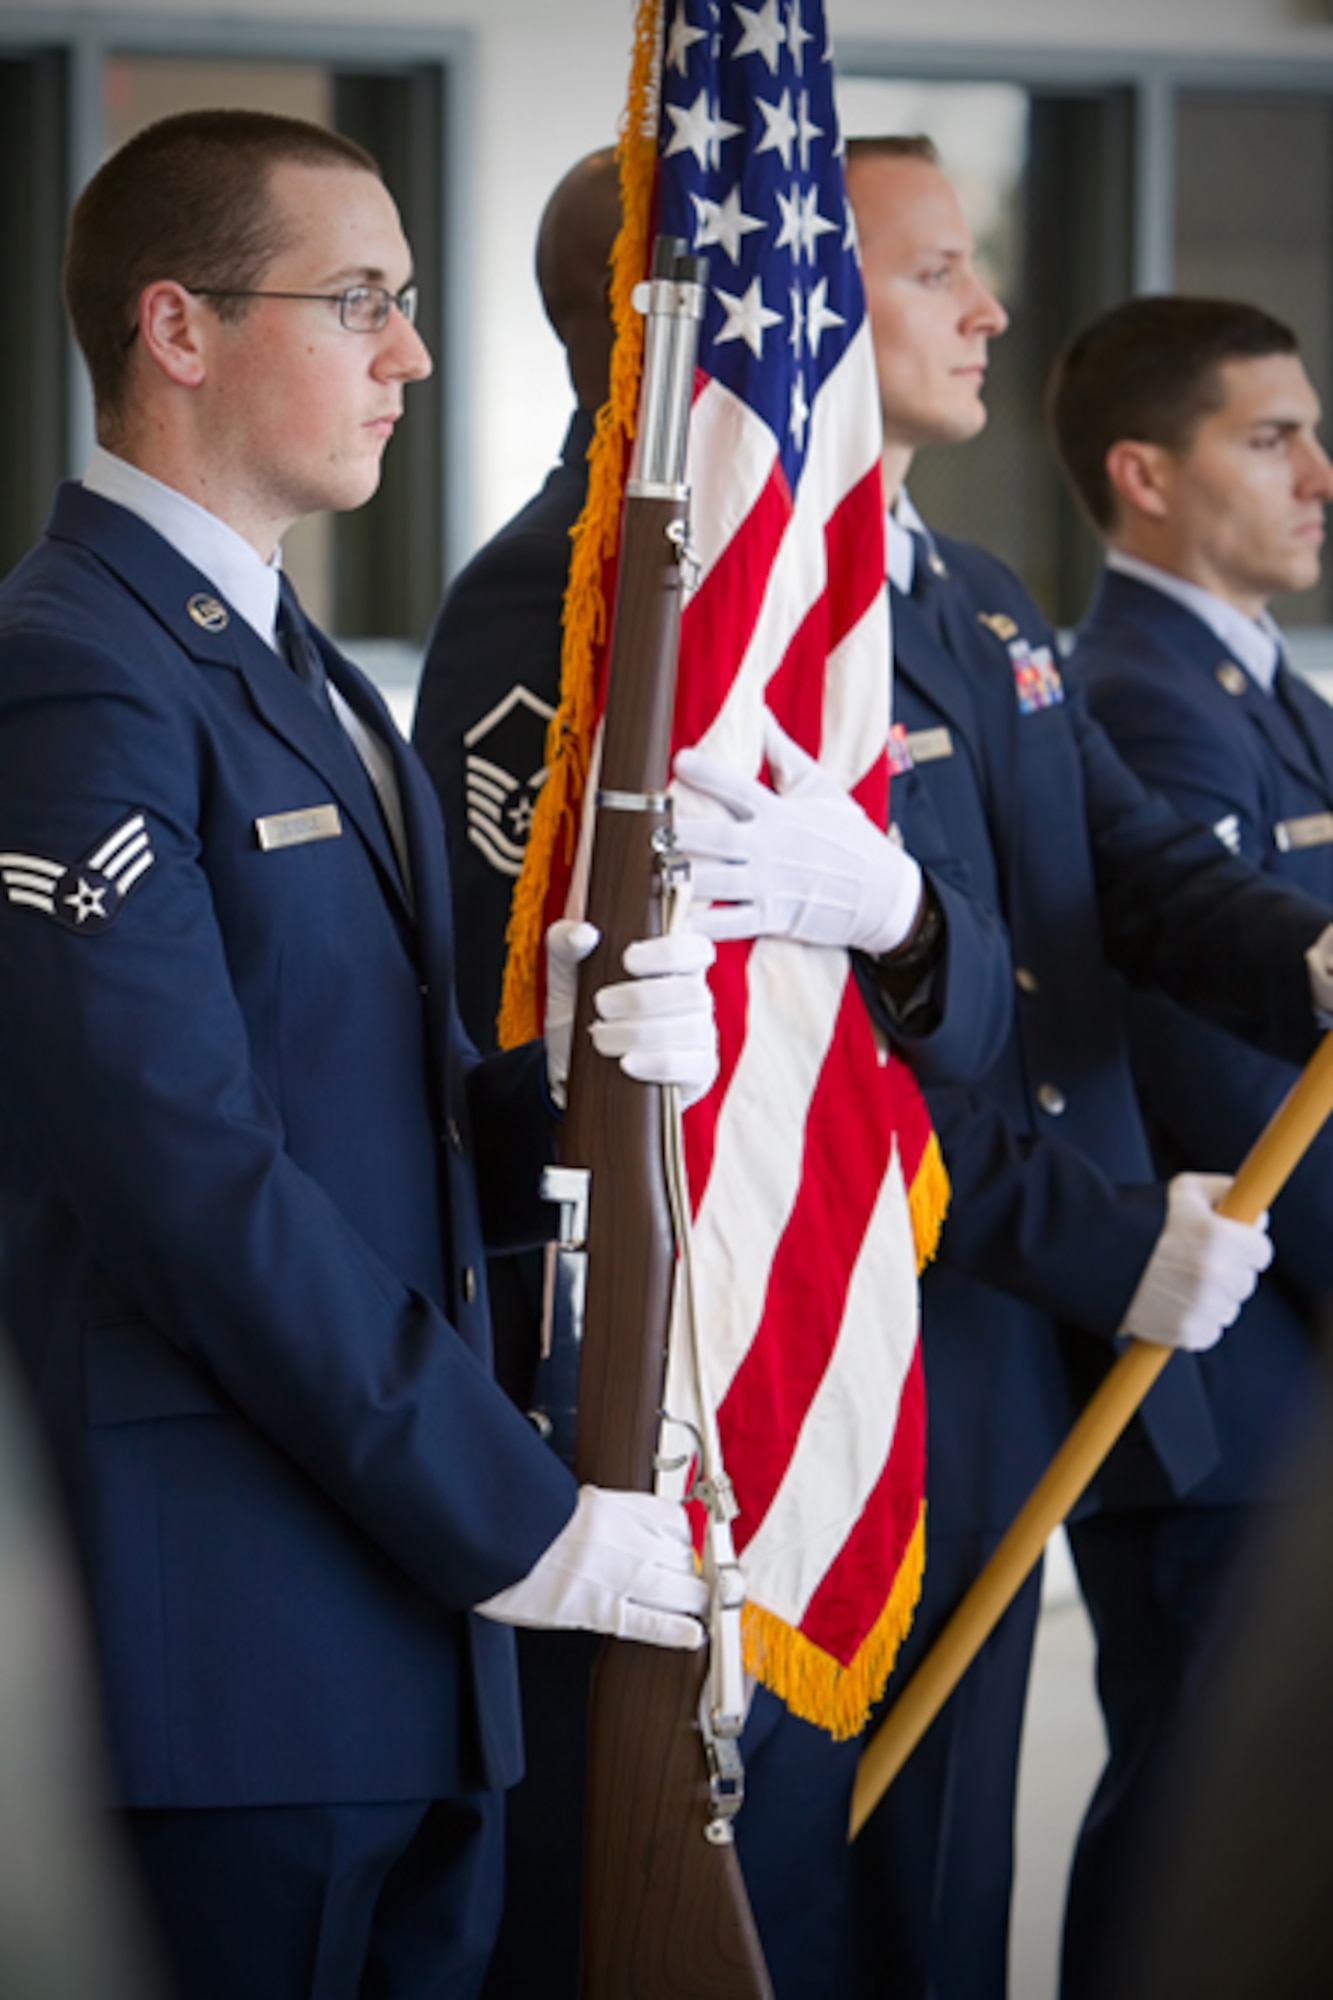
723,431
794,998
848,1429
854,682
799,573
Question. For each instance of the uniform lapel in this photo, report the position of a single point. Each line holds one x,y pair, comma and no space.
1314,721
422,825
965,670
921,659
1296,726
183,600
315,735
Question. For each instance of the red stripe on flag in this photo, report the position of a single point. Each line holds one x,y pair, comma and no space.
728,980
852,542
795,694
844,1608
844,1162
720,618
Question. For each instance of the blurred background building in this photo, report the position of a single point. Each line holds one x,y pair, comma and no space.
1159,143
1100,151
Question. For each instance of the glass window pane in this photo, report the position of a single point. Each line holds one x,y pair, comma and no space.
1254,221
1044,183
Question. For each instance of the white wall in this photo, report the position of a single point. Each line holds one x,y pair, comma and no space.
548,80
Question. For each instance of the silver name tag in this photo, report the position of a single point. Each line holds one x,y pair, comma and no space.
1315,830
292,829
928,744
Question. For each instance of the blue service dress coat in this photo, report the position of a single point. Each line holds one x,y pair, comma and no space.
248,1159
1055,1206
1258,768
490,681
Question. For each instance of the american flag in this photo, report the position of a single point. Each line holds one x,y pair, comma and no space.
815,1179
802,1160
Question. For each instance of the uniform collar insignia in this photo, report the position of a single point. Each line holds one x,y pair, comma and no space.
208,612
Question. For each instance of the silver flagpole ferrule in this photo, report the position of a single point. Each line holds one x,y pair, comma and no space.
672,301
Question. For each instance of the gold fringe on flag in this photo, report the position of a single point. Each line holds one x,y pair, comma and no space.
928,1199
594,536
810,1681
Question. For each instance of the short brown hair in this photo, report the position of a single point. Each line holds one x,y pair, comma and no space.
1148,370
895,146
187,198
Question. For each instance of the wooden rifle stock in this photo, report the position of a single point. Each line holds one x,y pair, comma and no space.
665,1911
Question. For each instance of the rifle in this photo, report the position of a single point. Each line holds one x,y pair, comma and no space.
665,1911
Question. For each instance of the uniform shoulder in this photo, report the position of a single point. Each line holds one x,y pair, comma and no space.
988,577
70,627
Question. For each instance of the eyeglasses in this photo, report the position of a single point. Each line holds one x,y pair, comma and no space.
361,308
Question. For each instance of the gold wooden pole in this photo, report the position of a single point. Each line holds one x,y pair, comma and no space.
1261,1176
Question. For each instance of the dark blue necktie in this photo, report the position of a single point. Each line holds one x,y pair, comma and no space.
300,649
926,593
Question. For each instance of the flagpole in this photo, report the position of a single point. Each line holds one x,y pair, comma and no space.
1260,1178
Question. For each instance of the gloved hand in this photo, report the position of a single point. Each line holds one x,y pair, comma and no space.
801,861
1202,1269
1319,964
658,1024
623,1563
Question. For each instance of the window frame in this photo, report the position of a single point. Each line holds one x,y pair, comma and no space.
1155,84
87,44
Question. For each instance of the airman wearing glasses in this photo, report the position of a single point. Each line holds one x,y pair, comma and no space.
250,1165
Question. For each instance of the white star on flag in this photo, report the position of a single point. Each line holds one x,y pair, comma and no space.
764,34
681,38
797,335
724,223
747,318
699,131
779,128
800,412
802,224
807,128
797,36
819,315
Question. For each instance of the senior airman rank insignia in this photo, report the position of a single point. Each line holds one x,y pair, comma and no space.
89,895
1037,680
503,780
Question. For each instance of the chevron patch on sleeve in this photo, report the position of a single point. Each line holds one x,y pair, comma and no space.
88,895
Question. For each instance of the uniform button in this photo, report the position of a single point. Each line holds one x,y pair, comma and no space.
452,1136
424,990
1052,1099
1024,980
469,1284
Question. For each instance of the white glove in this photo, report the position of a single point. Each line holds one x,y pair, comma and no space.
623,1563
1319,963
801,861
659,1023
1202,1269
